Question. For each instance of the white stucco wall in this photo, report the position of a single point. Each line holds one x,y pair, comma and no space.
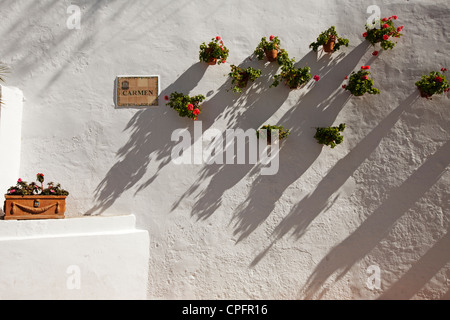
10,135
224,231
75,258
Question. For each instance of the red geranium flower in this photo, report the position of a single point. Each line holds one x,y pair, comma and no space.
375,53
166,97
365,34
190,107
395,17
316,77
271,38
344,86
19,181
217,38
438,79
196,111
385,19
345,77
365,77
385,37
385,26
444,69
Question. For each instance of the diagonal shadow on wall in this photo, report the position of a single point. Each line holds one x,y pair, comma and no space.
245,111
226,107
421,272
365,238
318,107
145,144
304,212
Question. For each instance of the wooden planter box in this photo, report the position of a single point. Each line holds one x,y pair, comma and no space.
34,207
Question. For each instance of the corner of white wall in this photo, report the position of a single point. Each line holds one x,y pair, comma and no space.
10,135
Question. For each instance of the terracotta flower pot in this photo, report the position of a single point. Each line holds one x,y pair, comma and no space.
212,61
244,81
34,207
329,46
424,94
272,54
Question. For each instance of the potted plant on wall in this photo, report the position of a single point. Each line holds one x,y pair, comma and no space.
433,83
268,49
292,76
213,52
329,40
240,77
384,34
330,136
360,83
32,201
266,132
185,105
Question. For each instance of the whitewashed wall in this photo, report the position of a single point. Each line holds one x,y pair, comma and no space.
11,112
224,231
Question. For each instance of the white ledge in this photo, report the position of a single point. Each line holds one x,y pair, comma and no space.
101,257
16,229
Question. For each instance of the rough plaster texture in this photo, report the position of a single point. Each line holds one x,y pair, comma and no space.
224,231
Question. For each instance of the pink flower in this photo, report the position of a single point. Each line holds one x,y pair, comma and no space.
385,26
12,190
19,181
344,86
365,77
196,111
438,79
365,34
375,53
52,191
394,17
190,107
217,38
385,37
271,38
316,77
166,97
